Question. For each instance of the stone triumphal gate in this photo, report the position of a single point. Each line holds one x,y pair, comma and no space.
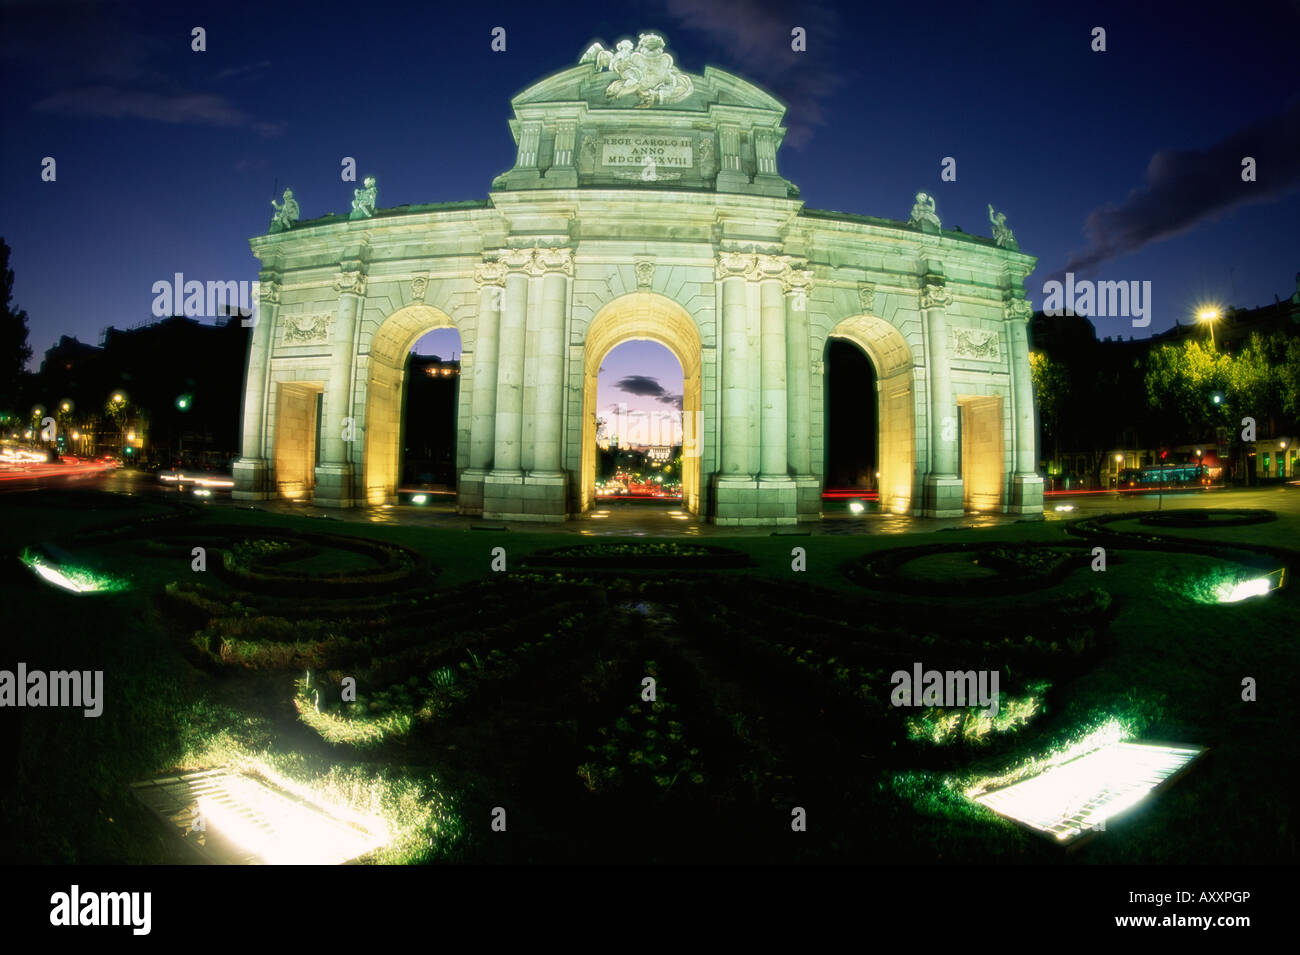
644,203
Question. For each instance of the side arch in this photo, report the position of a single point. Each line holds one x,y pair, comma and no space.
390,346
892,359
646,316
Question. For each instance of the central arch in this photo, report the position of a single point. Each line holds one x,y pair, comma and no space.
645,316
892,359
389,349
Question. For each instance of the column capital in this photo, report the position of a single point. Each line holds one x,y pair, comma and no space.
536,262
772,268
736,265
490,273
351,281
797,280
1018,309
515,260
268,291
935,296
553,260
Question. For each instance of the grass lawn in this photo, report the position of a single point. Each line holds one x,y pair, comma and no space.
522,689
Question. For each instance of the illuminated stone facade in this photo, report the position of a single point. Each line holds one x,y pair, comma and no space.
644,203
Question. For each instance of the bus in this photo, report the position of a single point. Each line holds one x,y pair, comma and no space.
1164,475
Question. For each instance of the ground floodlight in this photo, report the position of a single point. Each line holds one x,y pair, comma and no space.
419,498
856,507
1233,592
1077,797
230,817
77,580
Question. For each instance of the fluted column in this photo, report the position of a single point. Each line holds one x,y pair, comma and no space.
1026,484
733,267
943,445
797,287
1023,385
510,362
773,465
335,475
491,278
251,470
555,266
351,286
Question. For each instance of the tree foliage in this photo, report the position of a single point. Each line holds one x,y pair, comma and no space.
1261,381
14,349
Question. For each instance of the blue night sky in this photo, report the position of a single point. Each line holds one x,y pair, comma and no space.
1117,165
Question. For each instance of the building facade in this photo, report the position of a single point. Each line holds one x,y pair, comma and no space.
644,203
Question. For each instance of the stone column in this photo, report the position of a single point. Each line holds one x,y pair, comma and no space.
510,363
797,287
773,463
1026,484
943,490
732,270
251,470
491,278
556,265
335,476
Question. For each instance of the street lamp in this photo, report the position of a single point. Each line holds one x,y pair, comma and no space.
1210,316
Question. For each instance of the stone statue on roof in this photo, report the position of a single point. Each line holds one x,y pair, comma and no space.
363,205
1002,234
286,213
647,71
923,213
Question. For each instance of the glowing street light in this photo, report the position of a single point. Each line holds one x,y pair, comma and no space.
1209,316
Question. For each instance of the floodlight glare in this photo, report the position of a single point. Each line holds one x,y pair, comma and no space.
262,822
1080,795
419,498
74,580
856,507
1234,592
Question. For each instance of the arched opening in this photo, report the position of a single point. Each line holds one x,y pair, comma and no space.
410,424
645,316
850,418
890,416
639,401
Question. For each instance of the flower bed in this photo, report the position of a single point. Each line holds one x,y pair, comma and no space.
647,555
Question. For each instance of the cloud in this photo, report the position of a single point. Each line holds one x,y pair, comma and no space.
1187,188
642,385
674,400
199,109
754,36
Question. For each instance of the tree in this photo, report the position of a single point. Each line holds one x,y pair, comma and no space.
1183,382
1052,391
14,349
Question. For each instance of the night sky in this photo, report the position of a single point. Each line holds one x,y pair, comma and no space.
1117,165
